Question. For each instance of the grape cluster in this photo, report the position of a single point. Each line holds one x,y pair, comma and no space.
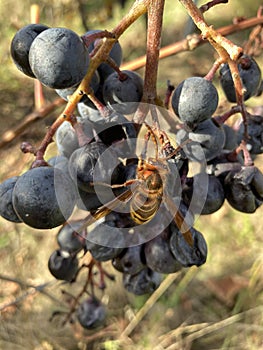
97,161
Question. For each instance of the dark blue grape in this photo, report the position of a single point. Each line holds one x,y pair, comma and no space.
131,260
70,239
209,199
158,255
194,100
91,313
66,139
6,204
116,131
206,141
231,141
88,201
44,197
103,242
21,44
116,54
123,95
62,265
82,165
94,84
144,282
59,58
250,75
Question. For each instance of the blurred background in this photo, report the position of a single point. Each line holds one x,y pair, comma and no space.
217,306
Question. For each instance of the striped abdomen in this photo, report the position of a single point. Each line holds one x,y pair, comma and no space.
147,199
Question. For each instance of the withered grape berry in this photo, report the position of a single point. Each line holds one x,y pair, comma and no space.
194,100
188,255
58,58
144,282
44,197
6,203
244,189
131,260
250,75
91,313
21,44
62,265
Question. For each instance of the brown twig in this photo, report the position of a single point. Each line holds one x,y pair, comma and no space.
154,30
254,43
223,118
211,4
28,120
31,289
192,42
225,48
38,88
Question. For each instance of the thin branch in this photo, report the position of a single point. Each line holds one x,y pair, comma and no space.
224,47
38,87
154,31
32,290
192,42
28,120
211,4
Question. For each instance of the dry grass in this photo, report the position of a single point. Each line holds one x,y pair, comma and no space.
217,306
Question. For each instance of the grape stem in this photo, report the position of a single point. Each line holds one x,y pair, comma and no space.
83,139
75,300
211,4
154,30
121,75
221,119
210,75
247,157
